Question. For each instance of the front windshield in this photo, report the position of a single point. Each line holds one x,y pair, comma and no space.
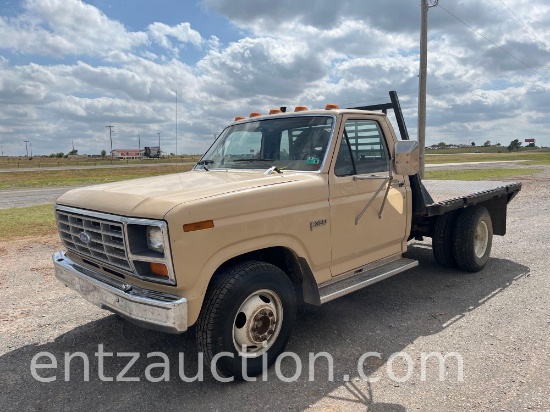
293,143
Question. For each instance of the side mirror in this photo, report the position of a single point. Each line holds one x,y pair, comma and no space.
406,158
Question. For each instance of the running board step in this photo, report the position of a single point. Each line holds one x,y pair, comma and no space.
363,277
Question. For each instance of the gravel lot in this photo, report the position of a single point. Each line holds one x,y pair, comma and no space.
498,320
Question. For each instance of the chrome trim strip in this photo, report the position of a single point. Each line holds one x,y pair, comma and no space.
362,269
365,279
136,304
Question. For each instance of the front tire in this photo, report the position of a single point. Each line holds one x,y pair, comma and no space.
248,312
473,239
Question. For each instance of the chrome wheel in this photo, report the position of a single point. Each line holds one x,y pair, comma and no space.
257,323
481,239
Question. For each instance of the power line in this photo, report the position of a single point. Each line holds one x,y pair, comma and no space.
493,43
524,25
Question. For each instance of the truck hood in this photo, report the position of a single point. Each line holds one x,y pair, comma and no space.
153,197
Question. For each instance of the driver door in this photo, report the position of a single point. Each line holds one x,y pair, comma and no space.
357,178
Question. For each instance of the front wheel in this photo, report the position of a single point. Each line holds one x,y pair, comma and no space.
246,319
473,238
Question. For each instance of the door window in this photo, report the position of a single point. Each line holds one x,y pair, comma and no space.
363,149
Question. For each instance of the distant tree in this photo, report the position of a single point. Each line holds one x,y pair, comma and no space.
103,153
473,143
59,155
532,144
73,152
514,145
498,144
442,145
487,143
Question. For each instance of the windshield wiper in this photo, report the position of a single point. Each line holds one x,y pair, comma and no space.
205,163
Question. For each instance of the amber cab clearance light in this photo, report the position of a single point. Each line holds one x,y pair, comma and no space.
238,118
191,227
255,114
275,111
331,106
158,269
300,108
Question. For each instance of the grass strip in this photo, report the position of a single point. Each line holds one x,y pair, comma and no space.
27,221
51,178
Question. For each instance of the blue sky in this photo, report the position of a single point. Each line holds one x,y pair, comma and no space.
69,68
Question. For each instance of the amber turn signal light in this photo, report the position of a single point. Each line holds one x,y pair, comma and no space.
191,227
158,269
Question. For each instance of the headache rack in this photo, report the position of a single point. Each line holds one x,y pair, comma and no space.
436,197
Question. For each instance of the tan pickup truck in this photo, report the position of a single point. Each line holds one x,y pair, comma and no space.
286,209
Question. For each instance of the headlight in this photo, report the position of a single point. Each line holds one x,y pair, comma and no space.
155,239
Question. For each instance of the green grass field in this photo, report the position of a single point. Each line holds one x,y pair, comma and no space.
27,221
49,178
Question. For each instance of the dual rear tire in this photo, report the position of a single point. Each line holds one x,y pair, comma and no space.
463,239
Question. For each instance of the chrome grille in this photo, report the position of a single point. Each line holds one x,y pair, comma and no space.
106,245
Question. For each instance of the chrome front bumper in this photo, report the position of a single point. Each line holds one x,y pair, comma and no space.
147,308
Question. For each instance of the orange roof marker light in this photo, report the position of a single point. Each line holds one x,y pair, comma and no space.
255,114
239,118
331,106
300,108
275,111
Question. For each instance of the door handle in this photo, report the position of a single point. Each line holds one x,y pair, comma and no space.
398,183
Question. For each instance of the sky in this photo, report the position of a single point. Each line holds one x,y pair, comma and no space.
186,68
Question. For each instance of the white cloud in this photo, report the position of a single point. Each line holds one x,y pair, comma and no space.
310,52
183,33
65,27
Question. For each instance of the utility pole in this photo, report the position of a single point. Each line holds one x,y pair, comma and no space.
72,140
30,143
159,144
422,80
26,147
111,139
139,146
176,125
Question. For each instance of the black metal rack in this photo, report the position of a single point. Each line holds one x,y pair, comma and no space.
396,107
